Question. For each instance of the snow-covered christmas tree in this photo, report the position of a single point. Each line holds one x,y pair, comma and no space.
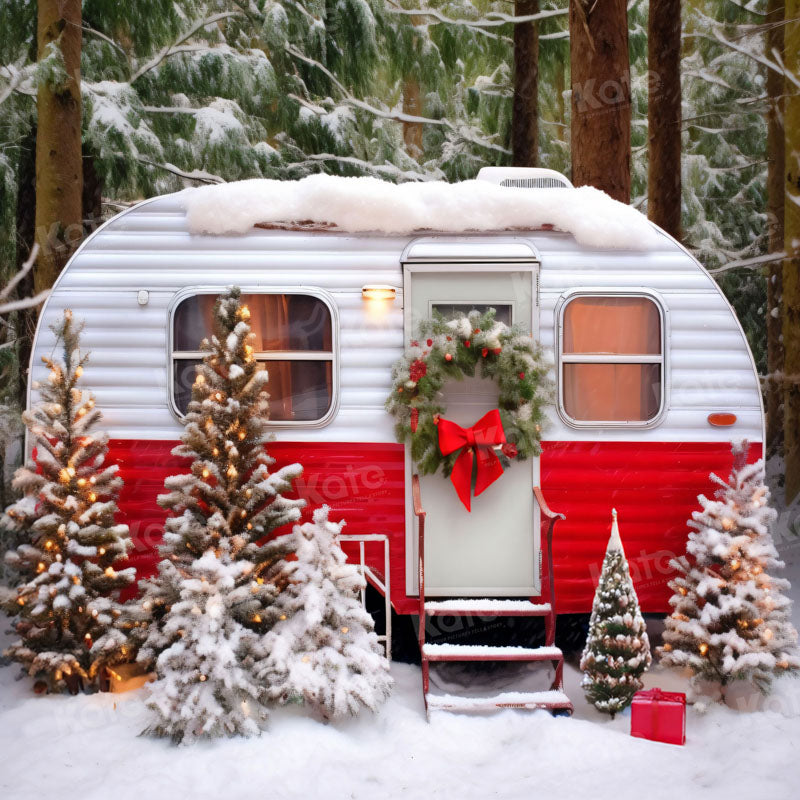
229,494
65,604
205,688
324,650
617,650
731,619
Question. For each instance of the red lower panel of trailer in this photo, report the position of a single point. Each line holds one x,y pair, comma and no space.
653,486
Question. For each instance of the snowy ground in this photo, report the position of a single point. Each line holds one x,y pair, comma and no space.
87,747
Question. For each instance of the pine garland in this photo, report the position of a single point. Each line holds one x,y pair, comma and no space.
451,349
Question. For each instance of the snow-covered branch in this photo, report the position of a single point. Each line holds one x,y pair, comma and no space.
26,302
750,263
378,169
199,175
776,65
395,116
493,19
176,47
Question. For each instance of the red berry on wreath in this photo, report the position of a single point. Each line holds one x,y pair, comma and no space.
429,342
417,370
448,356
449,338
485,352
414,343
522,376
510,450
477,330
497,351
466,344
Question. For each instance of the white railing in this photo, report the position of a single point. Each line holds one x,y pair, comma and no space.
383,585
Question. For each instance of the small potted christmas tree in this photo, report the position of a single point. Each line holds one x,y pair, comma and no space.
65,606
617,651
731,619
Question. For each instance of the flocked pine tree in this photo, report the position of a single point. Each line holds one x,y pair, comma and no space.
731,619
229,495
617,650
324,650
65,604
205,688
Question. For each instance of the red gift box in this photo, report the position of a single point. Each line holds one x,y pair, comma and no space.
660,716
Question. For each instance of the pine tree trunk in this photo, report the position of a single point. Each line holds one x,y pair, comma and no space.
412,104
775,197
412,131
59,174
664,115
601,96
525,111
790,301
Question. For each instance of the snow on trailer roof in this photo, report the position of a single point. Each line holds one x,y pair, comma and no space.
361,205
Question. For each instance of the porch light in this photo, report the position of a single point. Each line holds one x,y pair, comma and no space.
378,291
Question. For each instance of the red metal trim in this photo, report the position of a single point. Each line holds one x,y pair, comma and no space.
419,513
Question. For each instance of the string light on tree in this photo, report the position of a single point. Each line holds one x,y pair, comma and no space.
67,631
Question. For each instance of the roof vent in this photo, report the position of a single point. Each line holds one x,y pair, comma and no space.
524,177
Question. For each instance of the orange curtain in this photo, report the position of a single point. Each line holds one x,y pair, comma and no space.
611,391
614,325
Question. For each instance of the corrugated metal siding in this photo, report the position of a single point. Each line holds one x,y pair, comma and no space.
653,486
708,362
363,484
149,248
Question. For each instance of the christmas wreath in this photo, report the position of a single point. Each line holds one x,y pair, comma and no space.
450,349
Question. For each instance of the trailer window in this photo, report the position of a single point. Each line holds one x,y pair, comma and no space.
293,340
612,359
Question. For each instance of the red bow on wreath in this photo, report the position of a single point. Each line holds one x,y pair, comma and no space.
479,439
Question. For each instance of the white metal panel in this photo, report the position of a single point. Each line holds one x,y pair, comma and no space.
149,248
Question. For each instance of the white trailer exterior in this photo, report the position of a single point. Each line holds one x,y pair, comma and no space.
127,278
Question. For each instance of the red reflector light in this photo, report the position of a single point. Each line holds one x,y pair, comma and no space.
721,419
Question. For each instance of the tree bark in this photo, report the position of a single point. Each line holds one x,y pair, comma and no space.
525,110
412,131
775,196
664,115
59,174
412,104
790,300
601,96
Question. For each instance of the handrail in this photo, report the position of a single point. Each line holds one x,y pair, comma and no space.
537,491
415,493
420,514
553,517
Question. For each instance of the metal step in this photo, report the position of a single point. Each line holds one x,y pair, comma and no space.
469,607
552,700
481,652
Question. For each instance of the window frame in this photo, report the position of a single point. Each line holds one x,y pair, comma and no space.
573,358
277,355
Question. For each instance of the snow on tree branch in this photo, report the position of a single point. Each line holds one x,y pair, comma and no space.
174,48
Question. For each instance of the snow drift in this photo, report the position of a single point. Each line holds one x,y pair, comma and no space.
372,205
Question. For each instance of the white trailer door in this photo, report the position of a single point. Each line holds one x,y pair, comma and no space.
494,549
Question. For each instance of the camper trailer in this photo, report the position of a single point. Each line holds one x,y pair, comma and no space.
651,374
